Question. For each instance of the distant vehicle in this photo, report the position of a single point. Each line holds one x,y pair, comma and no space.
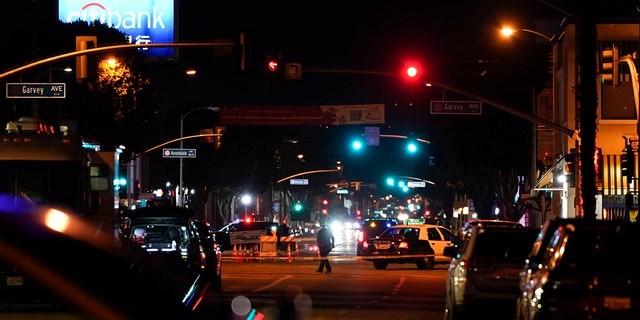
585,272
483,274
174,233
422,244
244,233
370,228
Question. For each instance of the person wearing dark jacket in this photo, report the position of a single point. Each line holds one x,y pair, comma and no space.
326,242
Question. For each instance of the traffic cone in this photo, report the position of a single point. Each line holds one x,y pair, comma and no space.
256,253
297,252
234,254
289,253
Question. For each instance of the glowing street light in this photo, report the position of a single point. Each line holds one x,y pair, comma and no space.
508,32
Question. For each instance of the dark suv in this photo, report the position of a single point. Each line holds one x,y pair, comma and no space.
175,235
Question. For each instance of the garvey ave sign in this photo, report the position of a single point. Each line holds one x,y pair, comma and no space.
36,90
456,107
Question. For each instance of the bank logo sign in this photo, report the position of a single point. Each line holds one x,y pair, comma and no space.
143,21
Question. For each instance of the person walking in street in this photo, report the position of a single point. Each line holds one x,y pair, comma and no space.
325,242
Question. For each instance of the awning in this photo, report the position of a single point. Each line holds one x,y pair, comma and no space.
547,176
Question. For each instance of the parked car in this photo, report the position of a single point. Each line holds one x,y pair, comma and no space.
63,267
244,233
474,223
370,228
422,244
178,237
583,273
211,251
484,272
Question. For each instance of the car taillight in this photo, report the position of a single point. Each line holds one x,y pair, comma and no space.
365,245
476,265
360,236
403,245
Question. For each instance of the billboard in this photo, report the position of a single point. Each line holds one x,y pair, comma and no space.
143,21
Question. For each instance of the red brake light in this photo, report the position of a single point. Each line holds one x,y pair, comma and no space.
403,245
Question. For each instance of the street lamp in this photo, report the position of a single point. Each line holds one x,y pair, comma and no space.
50,72
507,32
180,194
246,200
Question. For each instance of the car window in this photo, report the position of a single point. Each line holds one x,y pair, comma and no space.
514,246
433,234
447,234
411,233
393,232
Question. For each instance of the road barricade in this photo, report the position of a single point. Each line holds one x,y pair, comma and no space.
268,247
288,244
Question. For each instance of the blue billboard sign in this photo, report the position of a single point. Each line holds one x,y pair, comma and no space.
143,21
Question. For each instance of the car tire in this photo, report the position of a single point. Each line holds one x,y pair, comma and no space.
380,264
426,263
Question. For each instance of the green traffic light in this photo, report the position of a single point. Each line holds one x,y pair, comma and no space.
412,147
297,207
356,145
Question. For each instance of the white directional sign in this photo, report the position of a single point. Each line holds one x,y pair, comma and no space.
416,184
178,153
299,182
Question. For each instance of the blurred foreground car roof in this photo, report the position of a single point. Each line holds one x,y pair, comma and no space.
85,270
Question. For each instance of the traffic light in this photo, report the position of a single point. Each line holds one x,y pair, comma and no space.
628,163
85,65
357,144
218,139
412,147
411,71
274,72
609,66
570,167
298,207
324,208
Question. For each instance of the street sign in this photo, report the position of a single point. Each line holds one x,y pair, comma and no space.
298,182
372,135
36,90
416,184
178,153
456,107
293,71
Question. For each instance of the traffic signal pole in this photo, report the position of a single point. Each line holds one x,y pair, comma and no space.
573,134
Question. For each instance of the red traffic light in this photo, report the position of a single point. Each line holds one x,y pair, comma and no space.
412,72
272,65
